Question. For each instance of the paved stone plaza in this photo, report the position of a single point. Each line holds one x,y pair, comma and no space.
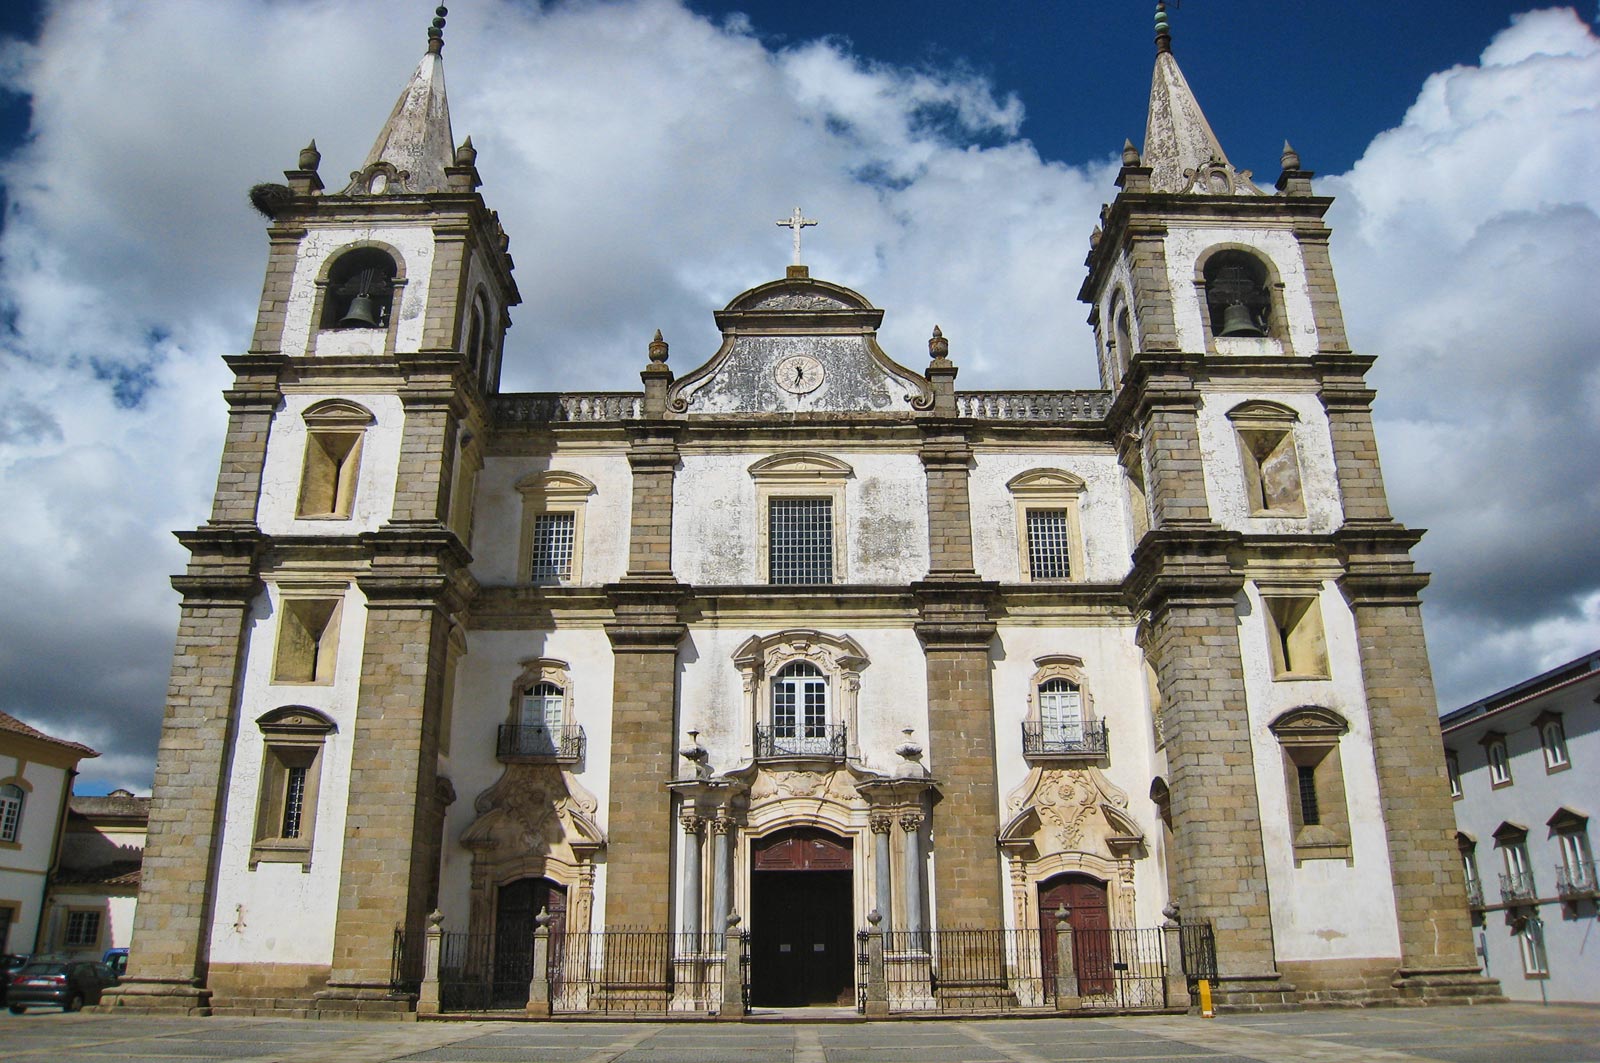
1497,1034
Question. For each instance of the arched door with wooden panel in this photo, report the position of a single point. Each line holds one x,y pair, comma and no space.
801,935
1089,916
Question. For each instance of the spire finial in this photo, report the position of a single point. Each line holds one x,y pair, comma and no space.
658,353
1163,28
436,31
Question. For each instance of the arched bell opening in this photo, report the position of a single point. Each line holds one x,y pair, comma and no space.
802,888
1238,294
360,290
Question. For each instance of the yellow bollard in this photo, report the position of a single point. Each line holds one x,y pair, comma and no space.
1206,1011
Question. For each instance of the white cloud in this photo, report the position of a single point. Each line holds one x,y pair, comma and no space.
640,157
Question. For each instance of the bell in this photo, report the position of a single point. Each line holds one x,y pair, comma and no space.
1237,320
363,313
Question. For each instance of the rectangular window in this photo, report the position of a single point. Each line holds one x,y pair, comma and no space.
1049,544
1299,650
553,536
1499,763
83,930
1553,740
800,540
11,797
540,720
294,800
7,914
308,640
1452,768
1271,472
1531,939
328,481
1310,814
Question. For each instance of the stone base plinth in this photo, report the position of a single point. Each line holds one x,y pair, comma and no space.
1446,985
1263,992
155,996
363,1002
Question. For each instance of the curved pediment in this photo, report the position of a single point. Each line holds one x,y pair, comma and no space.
1046,482
799,295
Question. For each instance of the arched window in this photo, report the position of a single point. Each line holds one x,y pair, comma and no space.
800,711
360,290
540,718
1236,294
1061,711
11,799
542,726
1060,723
1121,335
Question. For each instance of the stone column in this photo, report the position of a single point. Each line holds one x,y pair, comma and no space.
1436,950
193,772
721,869
909,824
884,893
692,875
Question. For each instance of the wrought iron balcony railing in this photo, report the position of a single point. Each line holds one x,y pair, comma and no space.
523,742
1576,882
800,740
1057,740
1475,894
1517,887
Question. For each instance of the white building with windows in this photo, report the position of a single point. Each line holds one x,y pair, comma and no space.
1524,768
797,632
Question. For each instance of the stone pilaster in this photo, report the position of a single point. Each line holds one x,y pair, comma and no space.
1191,640
1165,409
1152,291
956,633
947,459
433,404
388,877
1320,286
282,255
653,457
639,823
252,402
447,288
173,918
1436,952
1355,448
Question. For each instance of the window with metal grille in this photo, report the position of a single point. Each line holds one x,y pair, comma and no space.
294,801
800,702
83,930
800,540
1048,553
552,545
11,797
1310,813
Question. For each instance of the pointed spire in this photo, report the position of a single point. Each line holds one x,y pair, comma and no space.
415,145
1179,147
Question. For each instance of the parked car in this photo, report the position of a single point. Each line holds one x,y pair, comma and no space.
68,985
9,966
117,960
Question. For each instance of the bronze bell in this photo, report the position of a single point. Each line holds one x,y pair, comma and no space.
363,313
1237,320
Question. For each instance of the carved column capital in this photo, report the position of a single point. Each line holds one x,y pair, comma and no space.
910,821
881,824
692,823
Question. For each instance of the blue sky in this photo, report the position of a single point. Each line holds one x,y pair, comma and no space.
639,152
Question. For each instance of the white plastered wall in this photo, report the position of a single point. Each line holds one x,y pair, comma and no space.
279,913
716,525
1102,512
300,334
1224,470
375,476
484,680
497,522
22,869
1323,909
1183,249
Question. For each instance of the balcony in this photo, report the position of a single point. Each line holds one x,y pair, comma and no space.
517,743
1054,740
826,742
1577,882
1474,894
1517,888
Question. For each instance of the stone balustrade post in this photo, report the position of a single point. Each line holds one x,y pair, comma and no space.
1067,998
1177,977
732,970
877,982
539,986
433,945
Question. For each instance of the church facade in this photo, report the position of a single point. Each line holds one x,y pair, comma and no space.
802,633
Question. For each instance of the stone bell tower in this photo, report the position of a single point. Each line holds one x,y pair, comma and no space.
1296,724
299,795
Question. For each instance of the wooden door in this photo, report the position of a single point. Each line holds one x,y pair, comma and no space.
801,899
517,905
1090,919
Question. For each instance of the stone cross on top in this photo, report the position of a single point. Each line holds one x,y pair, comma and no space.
796,221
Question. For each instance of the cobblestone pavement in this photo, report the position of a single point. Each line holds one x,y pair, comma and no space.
1511,1033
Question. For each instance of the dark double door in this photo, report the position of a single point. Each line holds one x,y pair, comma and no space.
801,897
516,908
1089,917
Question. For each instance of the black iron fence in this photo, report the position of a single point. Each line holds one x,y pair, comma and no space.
406,962
801,740
1120,968
1199,945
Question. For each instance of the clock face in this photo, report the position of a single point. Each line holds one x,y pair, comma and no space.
798,374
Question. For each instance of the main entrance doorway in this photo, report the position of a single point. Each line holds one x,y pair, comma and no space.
801,899
516,906
1090,919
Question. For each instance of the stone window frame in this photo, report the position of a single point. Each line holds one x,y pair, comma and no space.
1069,668
1452,770
546,494
1529,932
1120,332
1498,757
556,673
1297,636
1309,737
1570,830
296,600
1552,732
11,839
397,284
327,421
93,917
1467,846
800,474
292,736
1048,489
1277,313
839,658
1512,841
1271,426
